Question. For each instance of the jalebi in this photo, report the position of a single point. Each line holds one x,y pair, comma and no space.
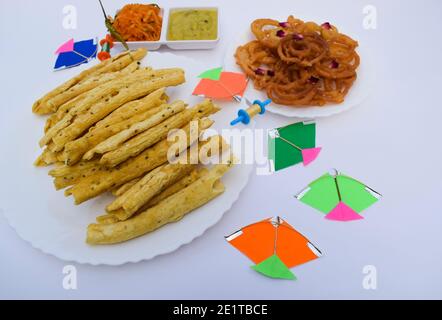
300,63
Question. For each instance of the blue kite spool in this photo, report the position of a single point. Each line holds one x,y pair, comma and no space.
244,116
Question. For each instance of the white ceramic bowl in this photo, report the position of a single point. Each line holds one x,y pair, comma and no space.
175,45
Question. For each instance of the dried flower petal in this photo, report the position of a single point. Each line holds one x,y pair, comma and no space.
298,36
313,80
334,64
326,26
270,73
259,72
280,33
284,24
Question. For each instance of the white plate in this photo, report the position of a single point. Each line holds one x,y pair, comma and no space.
358,93
52,223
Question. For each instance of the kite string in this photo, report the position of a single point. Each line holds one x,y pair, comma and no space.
276,233
235,97
276,239
276,225
337,188
81,55
290,143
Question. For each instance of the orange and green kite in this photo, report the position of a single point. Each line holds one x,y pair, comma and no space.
274,246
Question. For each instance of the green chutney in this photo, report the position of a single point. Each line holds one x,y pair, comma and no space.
193,24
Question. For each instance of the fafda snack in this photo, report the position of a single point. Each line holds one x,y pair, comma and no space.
299,63
172,209
107,132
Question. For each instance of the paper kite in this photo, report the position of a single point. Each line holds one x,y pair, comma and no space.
222,85
72,54
340,197
274,246
293,144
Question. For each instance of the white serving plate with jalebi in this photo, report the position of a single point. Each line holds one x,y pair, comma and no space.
358,93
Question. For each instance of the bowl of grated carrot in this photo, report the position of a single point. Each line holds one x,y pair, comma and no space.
146,26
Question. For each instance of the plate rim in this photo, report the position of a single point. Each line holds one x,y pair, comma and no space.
66,256
290,112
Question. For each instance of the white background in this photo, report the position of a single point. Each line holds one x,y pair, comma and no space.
392,142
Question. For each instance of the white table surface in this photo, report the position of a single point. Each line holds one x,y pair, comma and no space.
392,142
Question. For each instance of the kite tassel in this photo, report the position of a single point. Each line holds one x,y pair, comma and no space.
106,44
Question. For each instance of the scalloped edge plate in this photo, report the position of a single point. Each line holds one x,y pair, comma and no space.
51,222
359,92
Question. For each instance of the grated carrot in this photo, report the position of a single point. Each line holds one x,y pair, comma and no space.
139,22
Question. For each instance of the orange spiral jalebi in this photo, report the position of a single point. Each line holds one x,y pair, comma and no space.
304,50
299,63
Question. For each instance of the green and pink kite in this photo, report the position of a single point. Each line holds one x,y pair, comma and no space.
340,197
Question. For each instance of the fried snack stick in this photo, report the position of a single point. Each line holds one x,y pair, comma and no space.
161,178
149,159
101,94
118,202
115,64
87,141
76,170
107,218
132,108
125,187
75,176
75,150
47,157
41,106
181,184
203,124
169,210
144,140
89,84
115,141
148,187
64,110
104,79
66,113
51,146
102,109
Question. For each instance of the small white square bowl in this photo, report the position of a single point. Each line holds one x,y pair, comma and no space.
175,44
192,44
